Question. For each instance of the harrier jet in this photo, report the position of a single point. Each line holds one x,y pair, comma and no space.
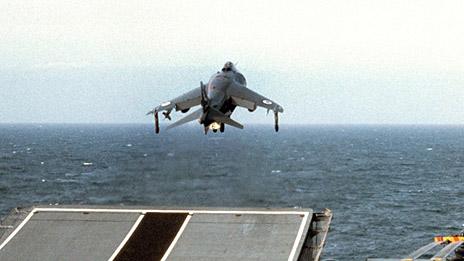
218,99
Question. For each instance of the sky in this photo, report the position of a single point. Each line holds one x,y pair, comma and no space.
325,62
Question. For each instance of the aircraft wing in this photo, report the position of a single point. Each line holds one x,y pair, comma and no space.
244,97
183,102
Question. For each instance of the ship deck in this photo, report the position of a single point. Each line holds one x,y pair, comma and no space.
148,233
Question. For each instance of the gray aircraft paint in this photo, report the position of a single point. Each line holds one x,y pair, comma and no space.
225,90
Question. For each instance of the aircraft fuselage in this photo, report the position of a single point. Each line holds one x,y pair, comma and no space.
216,91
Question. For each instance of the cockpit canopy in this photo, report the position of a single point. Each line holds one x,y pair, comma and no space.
228,66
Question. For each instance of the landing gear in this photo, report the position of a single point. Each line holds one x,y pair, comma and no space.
276,121
214,130
222,127
157,128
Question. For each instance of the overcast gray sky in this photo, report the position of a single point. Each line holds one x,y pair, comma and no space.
324,61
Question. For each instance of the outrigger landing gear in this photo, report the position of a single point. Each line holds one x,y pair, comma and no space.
221,129
157,128
276,121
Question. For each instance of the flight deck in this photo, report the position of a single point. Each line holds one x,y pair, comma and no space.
149,233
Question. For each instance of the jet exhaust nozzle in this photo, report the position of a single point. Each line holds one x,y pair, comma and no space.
220,117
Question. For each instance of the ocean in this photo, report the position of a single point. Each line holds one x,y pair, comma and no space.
391,188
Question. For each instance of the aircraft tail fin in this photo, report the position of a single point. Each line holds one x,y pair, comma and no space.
220,117
191,117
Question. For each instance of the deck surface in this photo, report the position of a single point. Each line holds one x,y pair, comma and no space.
79,233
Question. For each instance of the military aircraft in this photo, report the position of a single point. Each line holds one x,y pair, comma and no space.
218,99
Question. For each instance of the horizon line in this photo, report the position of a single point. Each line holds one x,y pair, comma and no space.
281,124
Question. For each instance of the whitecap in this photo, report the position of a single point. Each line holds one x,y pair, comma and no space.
429,149
87,164
129,145
66,180
276,171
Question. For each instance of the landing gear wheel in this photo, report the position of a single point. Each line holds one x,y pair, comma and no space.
214,130
222,127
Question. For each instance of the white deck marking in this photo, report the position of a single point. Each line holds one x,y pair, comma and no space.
17,230
298,237
131,231
174,241
109,210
